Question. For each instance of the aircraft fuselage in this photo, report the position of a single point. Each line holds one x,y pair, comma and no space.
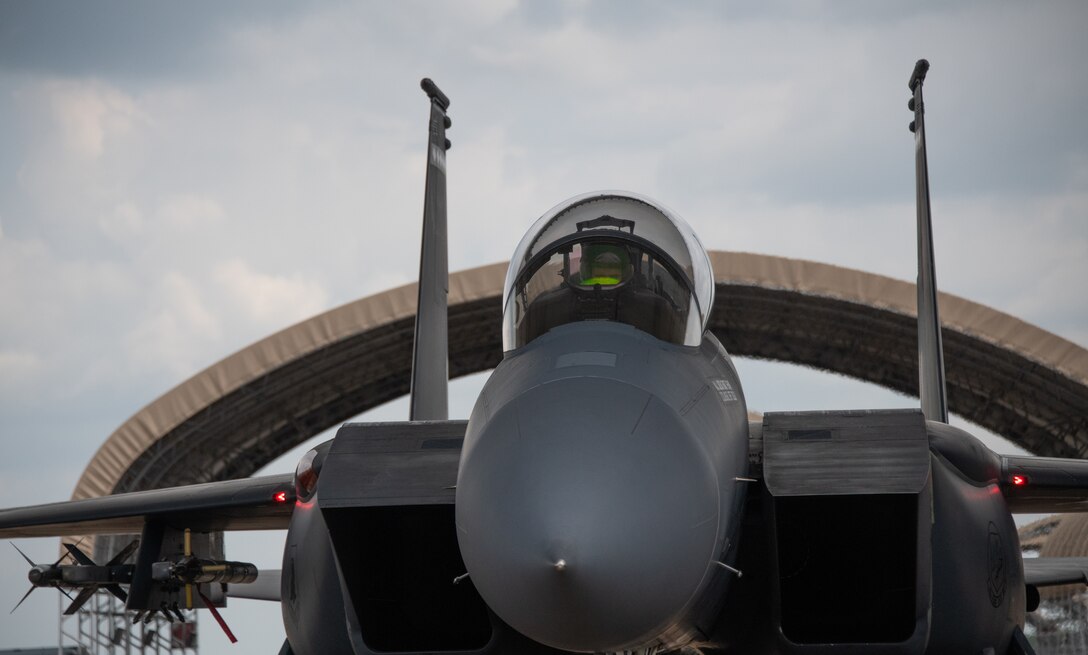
601,485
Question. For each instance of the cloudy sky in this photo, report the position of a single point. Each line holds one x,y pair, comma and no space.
179,180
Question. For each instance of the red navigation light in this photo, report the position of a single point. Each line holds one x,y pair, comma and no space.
280,496
1019,480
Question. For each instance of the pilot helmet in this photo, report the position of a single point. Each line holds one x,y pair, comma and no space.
611,256
603,264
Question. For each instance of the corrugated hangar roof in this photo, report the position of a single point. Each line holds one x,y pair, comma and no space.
238,414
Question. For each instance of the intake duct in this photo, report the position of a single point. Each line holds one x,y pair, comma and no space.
398,565
849,516
386,492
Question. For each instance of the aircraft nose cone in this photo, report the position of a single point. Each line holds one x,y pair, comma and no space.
587,515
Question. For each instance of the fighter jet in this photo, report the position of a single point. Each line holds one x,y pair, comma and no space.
608,493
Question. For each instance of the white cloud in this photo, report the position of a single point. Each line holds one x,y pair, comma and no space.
487,12
186,212
123,223
16,367
80,155
572,51
175,336
272,301
89,113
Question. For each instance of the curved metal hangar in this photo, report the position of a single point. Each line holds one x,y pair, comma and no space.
1006,375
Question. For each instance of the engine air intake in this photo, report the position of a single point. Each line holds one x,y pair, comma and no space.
849,516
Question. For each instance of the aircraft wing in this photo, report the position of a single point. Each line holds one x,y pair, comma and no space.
263,503
1049,571
1048,484
1045,484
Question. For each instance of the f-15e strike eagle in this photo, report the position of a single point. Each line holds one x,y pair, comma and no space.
608,493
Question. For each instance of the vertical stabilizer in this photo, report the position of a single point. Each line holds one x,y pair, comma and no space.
931,386
430,352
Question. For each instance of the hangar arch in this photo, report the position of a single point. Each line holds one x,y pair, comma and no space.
235,416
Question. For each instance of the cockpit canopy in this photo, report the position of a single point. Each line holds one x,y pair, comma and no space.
611,256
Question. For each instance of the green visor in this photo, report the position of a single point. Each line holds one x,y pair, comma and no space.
602,264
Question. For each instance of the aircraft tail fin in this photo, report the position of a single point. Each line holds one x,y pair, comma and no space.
430,350
931,384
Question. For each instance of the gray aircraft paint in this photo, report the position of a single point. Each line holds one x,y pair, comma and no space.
930,350
430,351
626,473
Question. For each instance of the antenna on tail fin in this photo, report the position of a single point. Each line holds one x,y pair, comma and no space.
931,386
430,352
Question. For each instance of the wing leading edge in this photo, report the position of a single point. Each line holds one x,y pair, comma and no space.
1045,484
1050,571
263,503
